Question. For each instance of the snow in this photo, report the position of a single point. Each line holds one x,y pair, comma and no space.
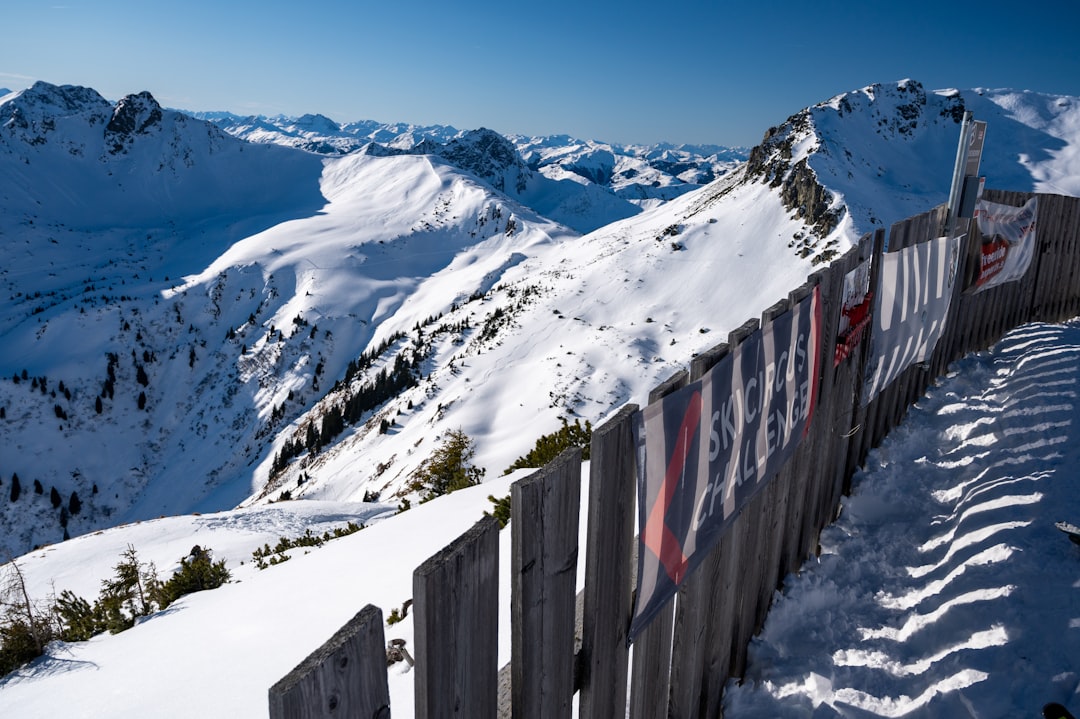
944,589
365,247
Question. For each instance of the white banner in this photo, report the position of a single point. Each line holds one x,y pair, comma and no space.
1008,241
915,288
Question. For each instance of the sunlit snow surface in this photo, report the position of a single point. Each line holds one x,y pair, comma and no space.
944,589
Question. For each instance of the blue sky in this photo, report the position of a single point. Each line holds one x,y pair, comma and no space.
699,71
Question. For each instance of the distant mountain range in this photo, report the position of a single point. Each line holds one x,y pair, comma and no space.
583,184
211,311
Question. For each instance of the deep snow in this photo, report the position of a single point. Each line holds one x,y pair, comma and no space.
592,322
943,590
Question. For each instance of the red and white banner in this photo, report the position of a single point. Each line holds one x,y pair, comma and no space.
714,444
1008,241
855,312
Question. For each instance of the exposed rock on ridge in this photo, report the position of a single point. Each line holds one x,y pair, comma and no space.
134,114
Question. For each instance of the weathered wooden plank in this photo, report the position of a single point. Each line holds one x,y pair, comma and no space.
823,457
848,384
781,486
742,577
608,569
695,615
861,437
651,671
544,536
811,466
345,677
456,621
750,569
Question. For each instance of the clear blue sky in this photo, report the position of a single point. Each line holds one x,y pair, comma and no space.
703,71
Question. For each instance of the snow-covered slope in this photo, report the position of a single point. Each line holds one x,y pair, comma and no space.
944,590
258,325
149,366
639,176
886,152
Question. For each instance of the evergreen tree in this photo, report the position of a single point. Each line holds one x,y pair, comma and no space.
16,488
127,595
77,618
74,504
54,497
550,446
449,468
198,572
38,489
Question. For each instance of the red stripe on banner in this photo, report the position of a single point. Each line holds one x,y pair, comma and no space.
658,536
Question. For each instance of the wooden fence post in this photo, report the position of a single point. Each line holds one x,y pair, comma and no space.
344,678
608,569
693,661
740,572
651,673
544,528
456,624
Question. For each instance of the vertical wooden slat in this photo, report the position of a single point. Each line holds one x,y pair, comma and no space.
695,612
651,671
778,493
608,583
456,610
740,580
345,677
860,440
544,535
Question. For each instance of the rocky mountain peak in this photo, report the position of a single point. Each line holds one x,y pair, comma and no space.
133,114
32,114
317,123
488,155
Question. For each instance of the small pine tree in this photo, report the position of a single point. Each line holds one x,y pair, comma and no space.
449,468
129,593
54,498
500,510
16,488
550,446
38,489
74,504
78,619
198,572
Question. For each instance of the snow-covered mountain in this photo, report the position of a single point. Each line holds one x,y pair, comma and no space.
196,322
641,175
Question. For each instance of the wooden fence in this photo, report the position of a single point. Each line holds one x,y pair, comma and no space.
681,662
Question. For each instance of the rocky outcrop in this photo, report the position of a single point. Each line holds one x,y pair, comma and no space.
774,162
133,115
490,156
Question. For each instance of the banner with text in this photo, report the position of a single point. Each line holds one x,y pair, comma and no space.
1008,241
712,445
914,291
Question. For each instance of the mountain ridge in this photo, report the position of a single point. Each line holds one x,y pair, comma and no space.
239,329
